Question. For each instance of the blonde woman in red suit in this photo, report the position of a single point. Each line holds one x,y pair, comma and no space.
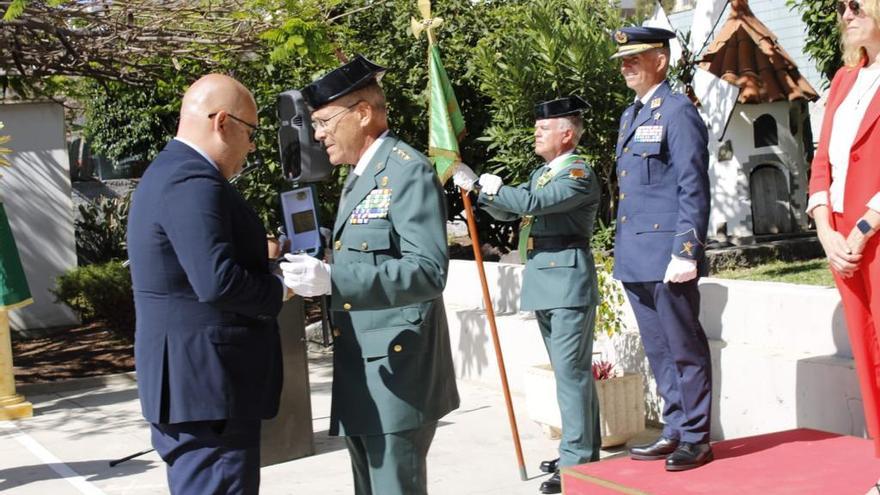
845,193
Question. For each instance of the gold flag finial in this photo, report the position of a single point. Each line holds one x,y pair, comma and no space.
427,23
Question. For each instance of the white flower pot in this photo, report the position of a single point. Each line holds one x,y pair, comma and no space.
621,404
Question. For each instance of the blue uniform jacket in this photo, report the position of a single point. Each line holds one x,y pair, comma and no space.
206,339
662,171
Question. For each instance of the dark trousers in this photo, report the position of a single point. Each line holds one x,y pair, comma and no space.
393,463
210,457
568,336
678,352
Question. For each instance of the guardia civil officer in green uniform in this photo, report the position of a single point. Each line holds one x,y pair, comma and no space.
558,207
393,376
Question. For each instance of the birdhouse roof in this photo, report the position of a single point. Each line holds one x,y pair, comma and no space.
746,53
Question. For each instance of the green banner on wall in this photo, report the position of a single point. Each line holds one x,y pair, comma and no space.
14,291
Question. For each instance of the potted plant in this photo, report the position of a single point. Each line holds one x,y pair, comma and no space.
621,404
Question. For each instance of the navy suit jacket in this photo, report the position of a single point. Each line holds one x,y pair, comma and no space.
206,340
663,176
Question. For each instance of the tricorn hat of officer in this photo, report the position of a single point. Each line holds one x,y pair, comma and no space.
570,105
356,74
637,39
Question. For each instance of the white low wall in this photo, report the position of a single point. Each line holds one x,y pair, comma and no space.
781,358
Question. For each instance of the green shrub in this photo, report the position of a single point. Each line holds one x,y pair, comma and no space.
609,315
99,292
100,233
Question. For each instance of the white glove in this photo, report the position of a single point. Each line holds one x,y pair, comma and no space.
680,270
490,184
464,177
307,276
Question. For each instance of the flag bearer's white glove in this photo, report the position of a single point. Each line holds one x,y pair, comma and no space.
464,177
490,184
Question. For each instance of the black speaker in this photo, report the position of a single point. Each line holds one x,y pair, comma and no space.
303,159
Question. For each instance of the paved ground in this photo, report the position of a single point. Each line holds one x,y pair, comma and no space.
65,447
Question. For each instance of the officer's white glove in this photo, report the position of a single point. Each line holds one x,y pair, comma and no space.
307,276
490,184
680,270
464,177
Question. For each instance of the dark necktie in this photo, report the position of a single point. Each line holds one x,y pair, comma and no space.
637,107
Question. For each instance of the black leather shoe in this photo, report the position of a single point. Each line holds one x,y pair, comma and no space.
550,466
688,456
553,484
654,451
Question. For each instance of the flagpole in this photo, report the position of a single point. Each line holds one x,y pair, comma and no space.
490,316
449,153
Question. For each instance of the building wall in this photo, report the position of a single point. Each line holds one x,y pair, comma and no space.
729,179
36,195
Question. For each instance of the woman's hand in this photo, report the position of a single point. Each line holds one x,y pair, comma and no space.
840,254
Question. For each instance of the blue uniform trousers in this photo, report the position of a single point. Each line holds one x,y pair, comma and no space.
393,463
678,352
210,457
568,336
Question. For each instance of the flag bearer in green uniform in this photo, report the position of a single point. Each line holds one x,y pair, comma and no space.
557,206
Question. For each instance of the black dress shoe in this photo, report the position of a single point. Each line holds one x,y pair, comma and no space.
654,451
688,456
550,466
553,484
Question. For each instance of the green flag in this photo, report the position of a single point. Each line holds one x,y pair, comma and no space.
446,126
14,292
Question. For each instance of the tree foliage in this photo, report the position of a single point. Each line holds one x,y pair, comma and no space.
548,49
823,34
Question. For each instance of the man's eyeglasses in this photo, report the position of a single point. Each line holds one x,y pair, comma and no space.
252,136
318,124
854,6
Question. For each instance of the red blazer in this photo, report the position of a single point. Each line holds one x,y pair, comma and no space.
863,174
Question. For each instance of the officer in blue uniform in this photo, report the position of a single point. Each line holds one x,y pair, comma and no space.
662,218
557,207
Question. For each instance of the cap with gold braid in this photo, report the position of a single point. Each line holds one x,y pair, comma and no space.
637,39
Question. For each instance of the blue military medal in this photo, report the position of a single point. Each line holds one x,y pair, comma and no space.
375,205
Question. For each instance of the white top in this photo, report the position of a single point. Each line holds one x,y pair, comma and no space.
368,155
650,93
847,120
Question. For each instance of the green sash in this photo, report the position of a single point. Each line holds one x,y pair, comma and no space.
525,227
14,292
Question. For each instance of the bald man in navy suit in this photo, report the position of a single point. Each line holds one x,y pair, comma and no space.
207,349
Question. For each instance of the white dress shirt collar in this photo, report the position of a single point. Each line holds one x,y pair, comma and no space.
368,155
650,93
199,151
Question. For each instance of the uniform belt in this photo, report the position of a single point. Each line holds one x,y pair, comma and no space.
560,242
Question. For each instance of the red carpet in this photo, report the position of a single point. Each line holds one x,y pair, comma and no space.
788,462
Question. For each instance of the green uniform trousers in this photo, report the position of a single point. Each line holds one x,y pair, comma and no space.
568,336
393,463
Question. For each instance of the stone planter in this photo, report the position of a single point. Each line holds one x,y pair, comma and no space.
621,404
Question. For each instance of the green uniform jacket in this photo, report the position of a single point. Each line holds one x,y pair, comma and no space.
392,358
566,206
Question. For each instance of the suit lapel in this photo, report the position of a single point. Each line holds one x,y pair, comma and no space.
364,184
871,114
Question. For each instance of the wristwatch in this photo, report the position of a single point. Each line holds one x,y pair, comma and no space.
864,227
